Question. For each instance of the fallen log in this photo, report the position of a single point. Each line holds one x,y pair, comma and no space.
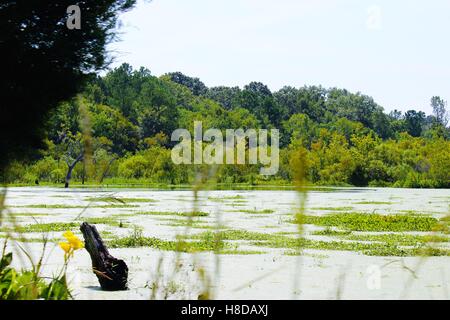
112,273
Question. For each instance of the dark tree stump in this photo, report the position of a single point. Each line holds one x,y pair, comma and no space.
112,273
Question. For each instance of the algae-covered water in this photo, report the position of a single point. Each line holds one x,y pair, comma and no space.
351,249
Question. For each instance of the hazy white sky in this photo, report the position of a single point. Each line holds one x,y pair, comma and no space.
396,51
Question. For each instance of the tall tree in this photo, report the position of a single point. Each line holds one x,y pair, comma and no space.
414,122
439,106
194,84
44,62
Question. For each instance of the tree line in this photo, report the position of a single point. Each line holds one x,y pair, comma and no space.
124,119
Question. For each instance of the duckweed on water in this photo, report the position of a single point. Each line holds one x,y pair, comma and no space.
118,199
63,226
191,223
371,249
110,221
372,222
175,213
47,227
136,239
381,248
252,211
373,202
332,208
65,206
392,238
28,214
208,242
233,235
224,198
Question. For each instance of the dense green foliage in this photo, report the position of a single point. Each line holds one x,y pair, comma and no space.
339,137
44,63
28,284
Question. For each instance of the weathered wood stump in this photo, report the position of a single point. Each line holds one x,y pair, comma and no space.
112,273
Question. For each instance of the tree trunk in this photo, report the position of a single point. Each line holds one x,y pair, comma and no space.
112,273
83,174
106,171
70,169
68,176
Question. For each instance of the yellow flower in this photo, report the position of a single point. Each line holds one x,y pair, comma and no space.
66,247
68,234
72,244
74,241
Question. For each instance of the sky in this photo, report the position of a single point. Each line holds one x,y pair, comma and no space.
398,52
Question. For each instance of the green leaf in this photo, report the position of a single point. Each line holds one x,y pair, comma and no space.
5,261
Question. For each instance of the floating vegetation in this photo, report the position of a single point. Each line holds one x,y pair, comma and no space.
233,235
373,222
66,206
393,238
118,199
254,211
332,208
379,245
110,221
27,214
190,223
372,249
374,202
137,239
43,227
174,213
